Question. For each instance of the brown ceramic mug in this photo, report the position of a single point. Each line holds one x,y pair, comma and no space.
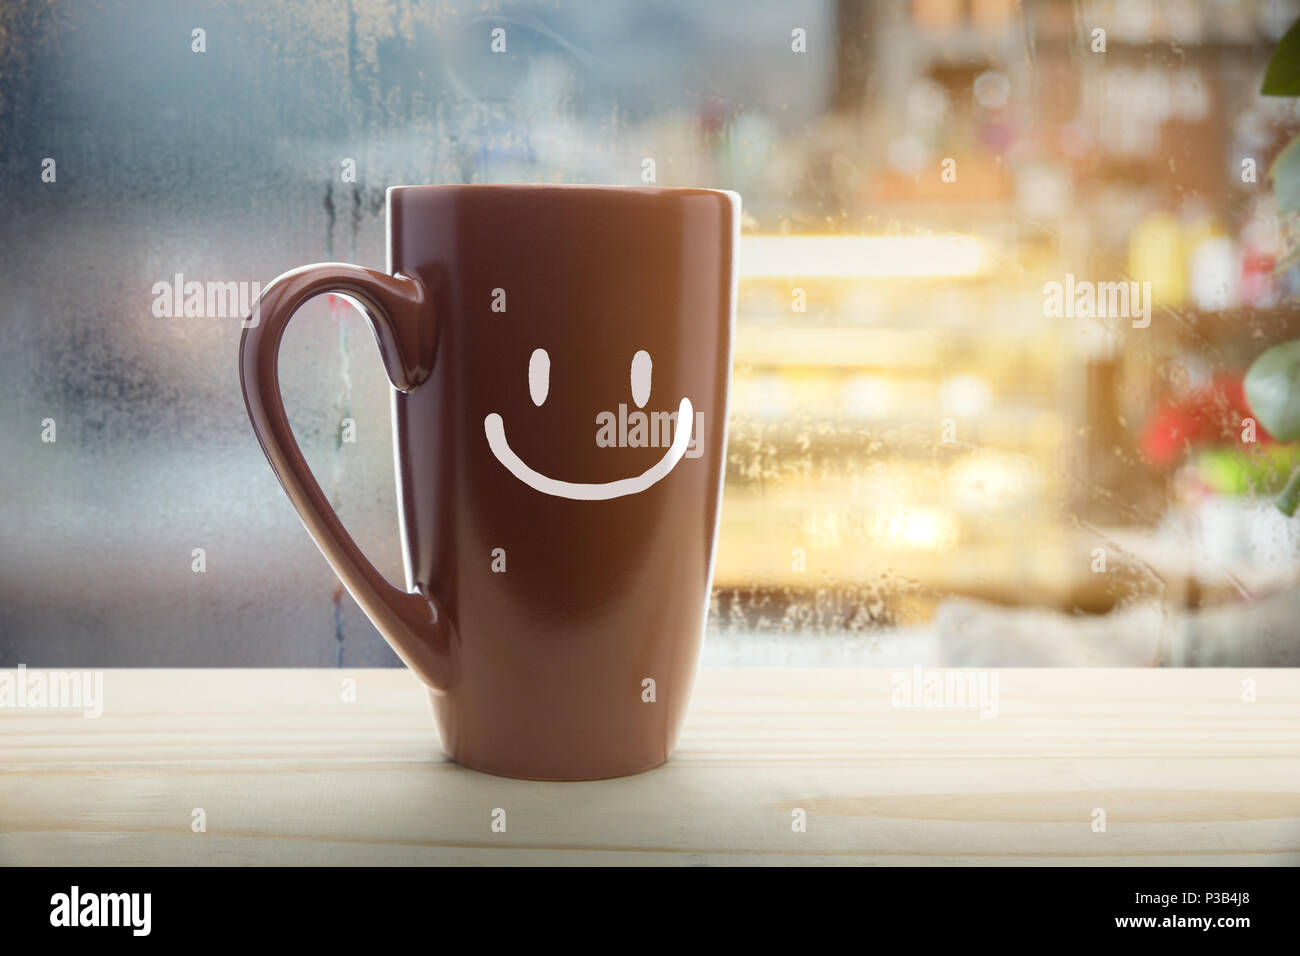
560,357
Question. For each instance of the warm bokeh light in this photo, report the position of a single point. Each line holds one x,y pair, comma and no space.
872,257
913,529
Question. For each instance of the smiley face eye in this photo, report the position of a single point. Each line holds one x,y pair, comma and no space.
539,376
641,366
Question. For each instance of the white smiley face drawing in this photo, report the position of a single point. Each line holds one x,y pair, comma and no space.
539,384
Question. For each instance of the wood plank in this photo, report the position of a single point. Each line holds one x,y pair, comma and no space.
287,772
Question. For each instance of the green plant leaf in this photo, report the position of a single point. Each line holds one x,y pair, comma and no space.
1282,78
1285,173
1273,390
1289,499
1241,469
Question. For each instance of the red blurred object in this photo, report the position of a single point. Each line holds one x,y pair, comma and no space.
1258,279
1207,416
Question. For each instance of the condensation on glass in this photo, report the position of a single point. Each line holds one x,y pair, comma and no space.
1001,278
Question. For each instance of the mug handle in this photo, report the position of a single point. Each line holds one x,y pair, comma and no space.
401,316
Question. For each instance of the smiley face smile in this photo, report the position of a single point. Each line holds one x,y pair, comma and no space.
539,373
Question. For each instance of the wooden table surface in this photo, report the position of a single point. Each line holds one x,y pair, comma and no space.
287,772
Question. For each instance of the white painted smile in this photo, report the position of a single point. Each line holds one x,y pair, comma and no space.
496,436
539,384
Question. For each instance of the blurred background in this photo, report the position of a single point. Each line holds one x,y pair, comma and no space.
927,463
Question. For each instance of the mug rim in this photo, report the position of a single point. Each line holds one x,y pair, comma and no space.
571,187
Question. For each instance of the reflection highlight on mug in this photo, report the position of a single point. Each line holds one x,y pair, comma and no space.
639,429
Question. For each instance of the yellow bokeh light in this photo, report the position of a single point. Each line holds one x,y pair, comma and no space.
881,257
